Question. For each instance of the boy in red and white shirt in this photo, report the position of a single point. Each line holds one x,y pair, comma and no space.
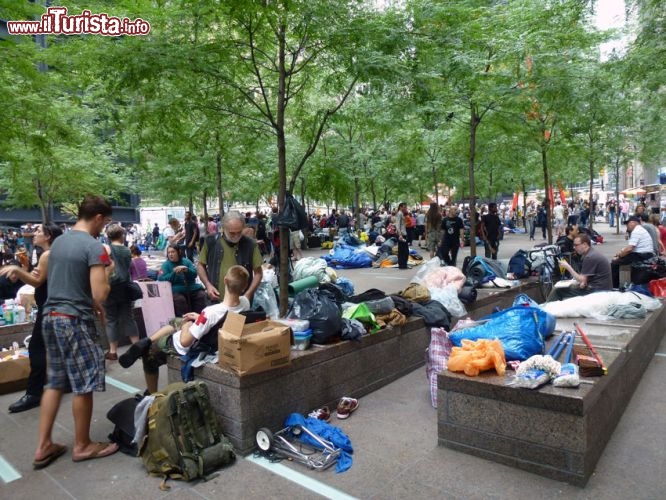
167,340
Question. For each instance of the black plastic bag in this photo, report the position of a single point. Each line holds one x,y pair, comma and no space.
320,309
292,215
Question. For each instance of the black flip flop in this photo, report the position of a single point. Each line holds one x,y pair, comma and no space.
58,451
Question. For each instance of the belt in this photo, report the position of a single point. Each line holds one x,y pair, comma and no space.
62,315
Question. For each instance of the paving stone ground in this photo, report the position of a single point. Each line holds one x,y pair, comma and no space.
394,434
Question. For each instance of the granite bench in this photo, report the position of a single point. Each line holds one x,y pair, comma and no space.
559,433
322,374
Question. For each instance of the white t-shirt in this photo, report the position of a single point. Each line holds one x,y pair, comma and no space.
641,240
206,320
558,212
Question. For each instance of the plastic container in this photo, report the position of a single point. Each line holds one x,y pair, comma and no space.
19,314
302,340
297,325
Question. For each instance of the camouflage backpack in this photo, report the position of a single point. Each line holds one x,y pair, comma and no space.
184,440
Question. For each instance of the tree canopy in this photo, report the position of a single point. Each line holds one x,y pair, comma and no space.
342,102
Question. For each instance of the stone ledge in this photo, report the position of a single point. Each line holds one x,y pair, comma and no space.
556,432
316,377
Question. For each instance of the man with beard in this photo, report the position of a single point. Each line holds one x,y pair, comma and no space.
220,252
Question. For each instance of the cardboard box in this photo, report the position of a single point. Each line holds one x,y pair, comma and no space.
255,347
13,373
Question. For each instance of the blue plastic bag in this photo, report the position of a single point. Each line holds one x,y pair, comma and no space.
348,257
522,331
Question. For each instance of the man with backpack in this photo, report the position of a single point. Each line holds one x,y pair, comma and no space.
167,340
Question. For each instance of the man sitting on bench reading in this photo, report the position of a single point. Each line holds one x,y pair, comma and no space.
167,340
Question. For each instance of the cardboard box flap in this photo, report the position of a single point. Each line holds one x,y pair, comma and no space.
234,324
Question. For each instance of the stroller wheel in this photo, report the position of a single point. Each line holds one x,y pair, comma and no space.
264,439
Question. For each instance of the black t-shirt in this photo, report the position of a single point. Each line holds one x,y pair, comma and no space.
343,220
493,225
451,227
191,229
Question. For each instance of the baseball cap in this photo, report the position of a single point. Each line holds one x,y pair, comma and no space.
633,218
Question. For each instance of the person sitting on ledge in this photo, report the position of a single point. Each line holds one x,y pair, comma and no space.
167,340
188,295
594,275
639,247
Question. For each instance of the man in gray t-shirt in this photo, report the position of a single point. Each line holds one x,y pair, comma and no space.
78,284
594,275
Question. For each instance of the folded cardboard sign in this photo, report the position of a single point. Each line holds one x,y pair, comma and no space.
13,373
255,347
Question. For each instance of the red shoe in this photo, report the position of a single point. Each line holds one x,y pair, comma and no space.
322,413
346,407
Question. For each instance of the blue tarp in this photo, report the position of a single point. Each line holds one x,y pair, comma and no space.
348,257
325,431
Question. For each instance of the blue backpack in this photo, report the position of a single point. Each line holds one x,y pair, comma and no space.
519,265
480,271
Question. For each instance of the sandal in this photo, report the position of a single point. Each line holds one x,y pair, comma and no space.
111,356
101,450
57,451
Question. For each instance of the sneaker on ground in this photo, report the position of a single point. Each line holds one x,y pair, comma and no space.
322,413
346,407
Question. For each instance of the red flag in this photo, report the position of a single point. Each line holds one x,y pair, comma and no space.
551,197
514,204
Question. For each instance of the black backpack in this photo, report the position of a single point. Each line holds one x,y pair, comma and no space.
122,416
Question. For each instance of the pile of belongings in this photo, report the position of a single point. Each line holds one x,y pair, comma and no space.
603,305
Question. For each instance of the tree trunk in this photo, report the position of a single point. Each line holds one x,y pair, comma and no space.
522,182
591,195
218,181
473,124
205,211
434,183
282,168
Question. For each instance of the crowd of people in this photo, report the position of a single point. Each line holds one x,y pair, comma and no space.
81,274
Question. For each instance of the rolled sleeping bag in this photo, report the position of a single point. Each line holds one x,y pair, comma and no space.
298,286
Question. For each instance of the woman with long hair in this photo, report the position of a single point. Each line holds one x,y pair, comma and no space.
44,236
433,229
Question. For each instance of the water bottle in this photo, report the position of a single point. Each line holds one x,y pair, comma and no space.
8,311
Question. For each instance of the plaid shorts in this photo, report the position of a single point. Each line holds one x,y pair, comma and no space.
73,357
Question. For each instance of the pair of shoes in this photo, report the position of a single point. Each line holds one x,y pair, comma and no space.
101,450
322,413
27,402
346,407
111,356
57,451
134,352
